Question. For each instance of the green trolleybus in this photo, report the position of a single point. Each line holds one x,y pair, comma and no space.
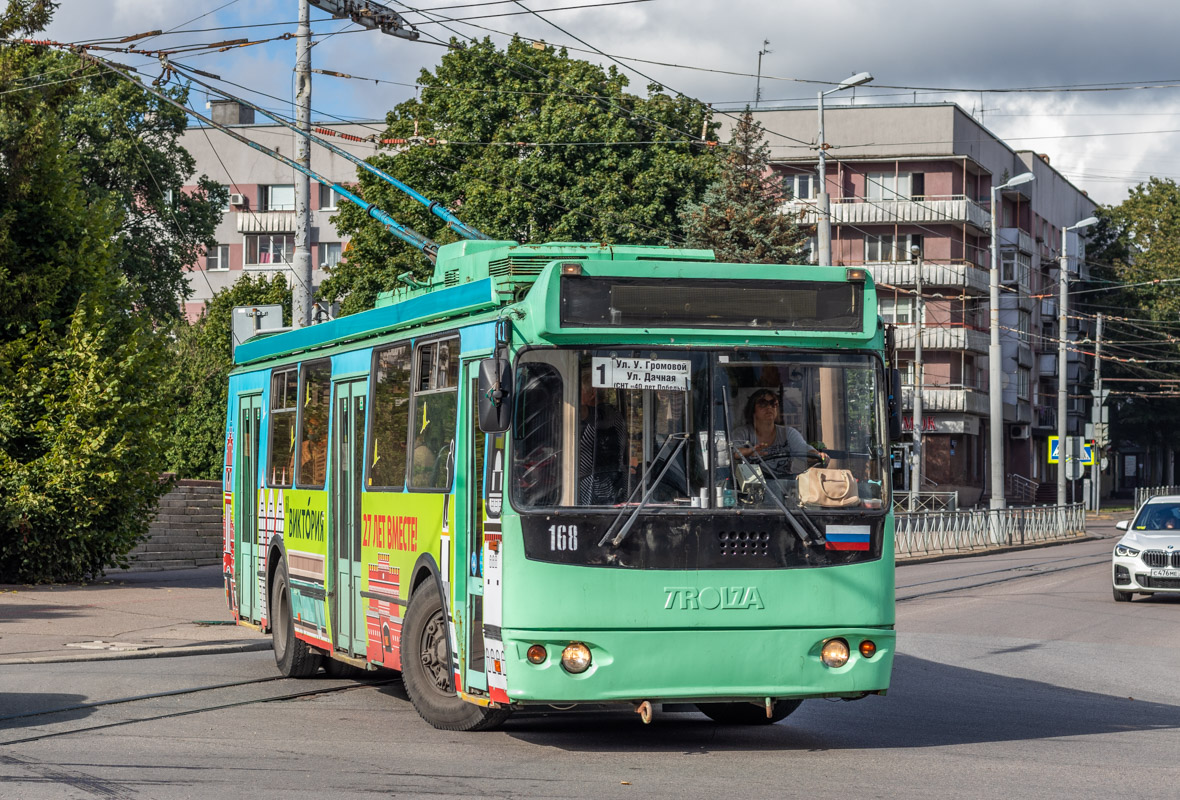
564,474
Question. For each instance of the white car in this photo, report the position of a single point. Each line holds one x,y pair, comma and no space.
1147,558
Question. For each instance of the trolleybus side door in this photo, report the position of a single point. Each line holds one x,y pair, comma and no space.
348,445
246,561
469,504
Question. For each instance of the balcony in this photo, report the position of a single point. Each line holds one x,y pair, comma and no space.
266,222
951,209
1015,237
1045,418
957,274
942,338
947,400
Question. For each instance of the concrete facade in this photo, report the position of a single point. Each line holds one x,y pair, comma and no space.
257,231
900,176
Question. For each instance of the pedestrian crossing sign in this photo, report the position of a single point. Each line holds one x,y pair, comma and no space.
1085,456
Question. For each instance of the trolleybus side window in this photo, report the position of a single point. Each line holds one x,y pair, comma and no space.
284,399
436,392
389,430
315,394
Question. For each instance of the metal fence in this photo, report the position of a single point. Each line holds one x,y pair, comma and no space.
940,532
927,501
1145,493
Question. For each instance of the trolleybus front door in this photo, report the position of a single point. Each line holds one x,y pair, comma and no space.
348,438
246,561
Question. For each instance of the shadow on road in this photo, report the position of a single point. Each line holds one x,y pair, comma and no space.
30,709
929,705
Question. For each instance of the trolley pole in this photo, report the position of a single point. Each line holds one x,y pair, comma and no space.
301,298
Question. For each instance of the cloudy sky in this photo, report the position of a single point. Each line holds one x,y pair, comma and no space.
1105,140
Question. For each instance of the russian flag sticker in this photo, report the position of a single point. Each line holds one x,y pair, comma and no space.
847,537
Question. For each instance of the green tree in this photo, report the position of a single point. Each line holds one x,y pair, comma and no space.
1134,245
534,146
738,216
198,386
84,321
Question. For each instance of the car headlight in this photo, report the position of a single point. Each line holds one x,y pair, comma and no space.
1123,551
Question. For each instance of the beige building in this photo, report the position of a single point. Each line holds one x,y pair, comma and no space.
257,233
921,175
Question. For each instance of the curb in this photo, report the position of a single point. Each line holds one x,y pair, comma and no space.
159,652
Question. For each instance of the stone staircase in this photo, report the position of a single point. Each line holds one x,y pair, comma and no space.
186,532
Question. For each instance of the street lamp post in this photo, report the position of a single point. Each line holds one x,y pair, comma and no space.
824,226
919,314
995,373
1064,454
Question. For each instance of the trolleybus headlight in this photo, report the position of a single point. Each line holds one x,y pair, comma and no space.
537,654
576,658
868,649
835,653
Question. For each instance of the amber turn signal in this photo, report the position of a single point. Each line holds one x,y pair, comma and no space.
868,649
537,654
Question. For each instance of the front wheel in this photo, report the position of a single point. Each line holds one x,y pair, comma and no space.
747,713
426,670
1122,597
294,657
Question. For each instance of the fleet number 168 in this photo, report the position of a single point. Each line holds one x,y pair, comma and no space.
563,537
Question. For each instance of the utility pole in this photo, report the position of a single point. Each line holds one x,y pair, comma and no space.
758,86
301,298
919,323
1064,454
1100,438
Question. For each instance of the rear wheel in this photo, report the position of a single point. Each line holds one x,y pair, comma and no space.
294,657
1123,597
426,670
747,713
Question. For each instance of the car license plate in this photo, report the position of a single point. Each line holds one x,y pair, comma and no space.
1165,573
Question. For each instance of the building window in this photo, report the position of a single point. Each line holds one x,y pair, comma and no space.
887,186
217,258
328,198
896,310
227,189
329,254
267,249
802,185
1022,382
278,197
1023,326
879,248
811,250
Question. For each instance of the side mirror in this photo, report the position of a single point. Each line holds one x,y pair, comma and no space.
495,395
894,406
1123,524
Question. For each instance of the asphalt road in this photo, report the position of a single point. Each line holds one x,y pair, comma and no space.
1017,676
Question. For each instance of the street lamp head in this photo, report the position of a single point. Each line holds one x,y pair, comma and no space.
1024,177
1087,222
855,80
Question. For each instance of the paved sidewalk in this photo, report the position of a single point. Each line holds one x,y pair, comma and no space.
125,615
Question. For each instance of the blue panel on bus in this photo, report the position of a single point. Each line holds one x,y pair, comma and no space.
478,337
352,363
461,299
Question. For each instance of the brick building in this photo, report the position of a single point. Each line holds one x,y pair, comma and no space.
921,175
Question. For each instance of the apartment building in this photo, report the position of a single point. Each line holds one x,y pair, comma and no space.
257,232
920,176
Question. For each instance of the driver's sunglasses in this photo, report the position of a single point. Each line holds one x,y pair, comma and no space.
766,401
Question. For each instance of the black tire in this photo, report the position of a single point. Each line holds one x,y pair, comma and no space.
294,657
426,671
341,670
1123,597
747,713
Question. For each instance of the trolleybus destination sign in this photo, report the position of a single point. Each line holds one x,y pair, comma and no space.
640,373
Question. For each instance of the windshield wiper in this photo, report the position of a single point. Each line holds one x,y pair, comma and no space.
650,490
756,471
